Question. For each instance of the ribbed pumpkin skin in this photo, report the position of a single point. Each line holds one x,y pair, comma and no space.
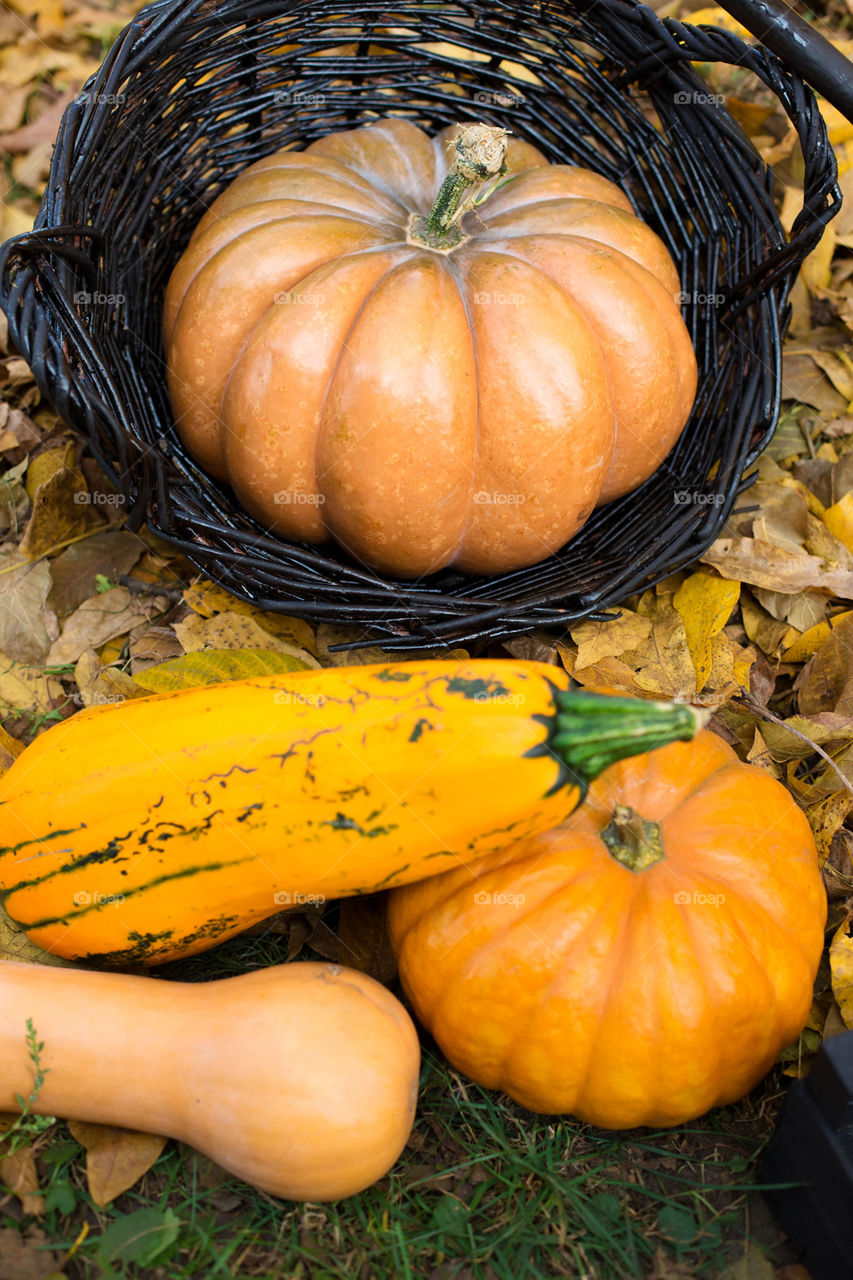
626,997
302,1078
425,408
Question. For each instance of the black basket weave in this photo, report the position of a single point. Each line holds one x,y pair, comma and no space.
193,91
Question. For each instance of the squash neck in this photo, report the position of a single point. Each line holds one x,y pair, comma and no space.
634,841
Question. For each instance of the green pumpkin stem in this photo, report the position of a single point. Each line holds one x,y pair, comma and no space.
634,841
479,155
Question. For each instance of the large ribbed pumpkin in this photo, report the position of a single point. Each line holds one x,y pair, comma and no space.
429,383
643,962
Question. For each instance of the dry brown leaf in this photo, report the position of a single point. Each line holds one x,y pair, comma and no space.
115,1158
24,589
59,499
15,945
108,553
763,565
150,645
207,598
42,129
364,937
597,640
99,685
234,630
805,382
112,613
827,817
826,681
26,1256
18,1173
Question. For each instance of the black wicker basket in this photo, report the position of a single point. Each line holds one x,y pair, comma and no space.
194,90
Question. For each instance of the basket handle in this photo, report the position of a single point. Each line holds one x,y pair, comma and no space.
681,43
793,40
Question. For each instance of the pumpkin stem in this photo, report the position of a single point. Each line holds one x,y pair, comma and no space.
480,154
632,840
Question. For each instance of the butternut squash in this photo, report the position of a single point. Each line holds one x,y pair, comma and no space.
301,1079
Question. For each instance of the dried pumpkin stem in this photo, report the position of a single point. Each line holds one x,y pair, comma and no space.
633,840
479,155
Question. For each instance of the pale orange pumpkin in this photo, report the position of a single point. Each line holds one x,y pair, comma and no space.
641,963
359,360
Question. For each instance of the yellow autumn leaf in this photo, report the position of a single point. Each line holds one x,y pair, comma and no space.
713,16
705,603
208,598
115,1158
810,641
839,520
214,666
841,969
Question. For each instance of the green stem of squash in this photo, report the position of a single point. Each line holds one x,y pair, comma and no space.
480,155
634,841
591,731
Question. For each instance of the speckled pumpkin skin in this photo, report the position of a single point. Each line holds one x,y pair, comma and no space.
553,972
425,408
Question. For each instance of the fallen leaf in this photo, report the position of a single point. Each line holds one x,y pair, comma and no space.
705,603
810,641
152,645
763,565
827,817
27,689
841,969
208,598
18,1173
235,631
111,553
826,681
839,520
213,666
115,1158
26,1256
362,932
99,685
42,129
112,613
15,945
609,639
60,508
24,589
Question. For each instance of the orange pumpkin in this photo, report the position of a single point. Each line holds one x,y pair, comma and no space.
641,963
429,383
